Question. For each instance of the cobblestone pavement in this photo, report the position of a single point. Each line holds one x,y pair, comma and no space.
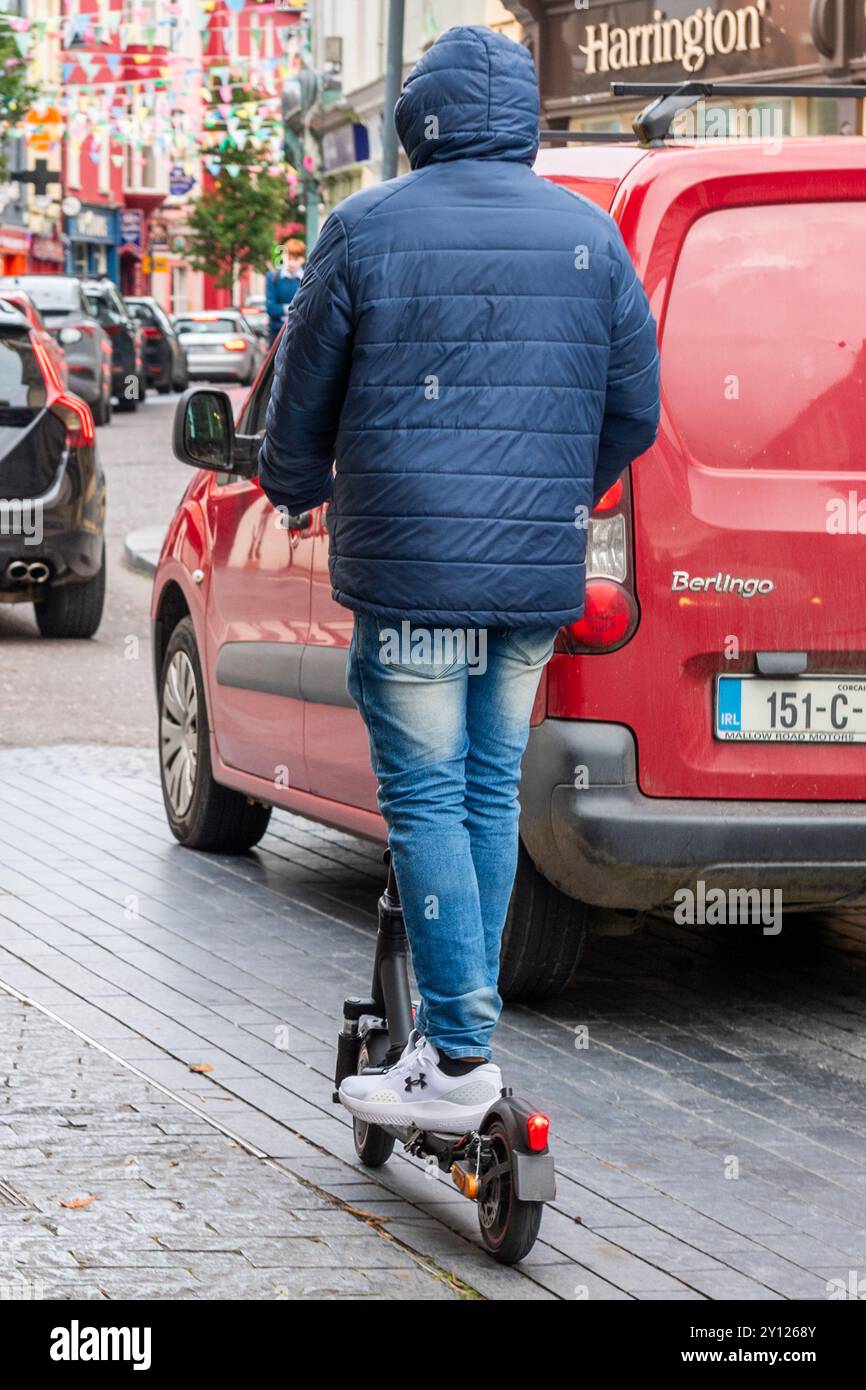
169,1207
709,1138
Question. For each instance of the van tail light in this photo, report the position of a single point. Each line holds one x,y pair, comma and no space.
234,344
74,413
611,614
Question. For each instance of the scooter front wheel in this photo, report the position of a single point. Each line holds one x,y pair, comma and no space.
373,1145
509,1226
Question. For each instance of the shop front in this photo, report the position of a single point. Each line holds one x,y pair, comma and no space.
47,255
581,48
92,235
14,249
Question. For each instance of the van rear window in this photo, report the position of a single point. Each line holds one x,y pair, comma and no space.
764,342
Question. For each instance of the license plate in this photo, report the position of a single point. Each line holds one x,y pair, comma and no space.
799,709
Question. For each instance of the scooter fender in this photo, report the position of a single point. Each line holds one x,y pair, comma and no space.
532,1171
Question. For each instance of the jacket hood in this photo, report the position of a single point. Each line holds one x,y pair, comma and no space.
473,95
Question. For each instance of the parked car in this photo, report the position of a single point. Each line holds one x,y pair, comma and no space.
52,550
68,317
703,726
20,300
128,376
220,345
255,312
164,355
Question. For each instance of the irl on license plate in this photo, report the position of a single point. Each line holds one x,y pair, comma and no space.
796,709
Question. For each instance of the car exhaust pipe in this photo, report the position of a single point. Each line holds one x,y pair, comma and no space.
17,571
38,572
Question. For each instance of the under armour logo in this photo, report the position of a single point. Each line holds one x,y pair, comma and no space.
418,1081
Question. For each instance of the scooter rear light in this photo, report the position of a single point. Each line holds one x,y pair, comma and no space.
537,1132
151,332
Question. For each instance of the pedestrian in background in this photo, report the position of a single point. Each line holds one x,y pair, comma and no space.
283,283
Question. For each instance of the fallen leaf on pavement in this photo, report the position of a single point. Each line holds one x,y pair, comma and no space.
82,1200
201,1066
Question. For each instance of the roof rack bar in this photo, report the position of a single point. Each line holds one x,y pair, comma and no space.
591,137
738,89
652,125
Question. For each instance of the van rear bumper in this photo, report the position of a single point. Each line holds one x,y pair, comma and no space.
602,841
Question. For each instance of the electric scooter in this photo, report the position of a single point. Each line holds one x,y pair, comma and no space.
504,1166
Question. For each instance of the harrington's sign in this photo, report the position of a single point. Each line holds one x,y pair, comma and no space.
703,34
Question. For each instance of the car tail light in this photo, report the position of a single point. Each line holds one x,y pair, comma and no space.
537,1131
151,332
611,613
77,418
234,344
74,413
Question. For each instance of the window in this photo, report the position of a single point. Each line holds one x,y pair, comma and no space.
763,357
21,381
192,325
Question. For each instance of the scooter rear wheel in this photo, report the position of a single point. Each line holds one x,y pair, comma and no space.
373,1145
509,1227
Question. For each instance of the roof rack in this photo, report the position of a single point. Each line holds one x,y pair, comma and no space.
652,125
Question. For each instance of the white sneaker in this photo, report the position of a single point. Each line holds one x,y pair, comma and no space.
415,1094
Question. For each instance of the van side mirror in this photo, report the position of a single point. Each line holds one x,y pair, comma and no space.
204,430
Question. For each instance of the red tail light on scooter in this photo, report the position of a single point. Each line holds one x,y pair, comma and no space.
611,613
537,1132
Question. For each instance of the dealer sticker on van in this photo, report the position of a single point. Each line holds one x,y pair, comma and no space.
803,709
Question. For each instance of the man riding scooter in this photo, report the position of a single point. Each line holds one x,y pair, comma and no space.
472,347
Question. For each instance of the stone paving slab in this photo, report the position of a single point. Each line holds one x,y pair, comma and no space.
709,1136
74,1123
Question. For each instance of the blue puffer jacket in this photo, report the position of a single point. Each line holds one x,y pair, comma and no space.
471,345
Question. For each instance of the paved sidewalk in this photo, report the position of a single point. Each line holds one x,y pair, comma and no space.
710,1137
169,1206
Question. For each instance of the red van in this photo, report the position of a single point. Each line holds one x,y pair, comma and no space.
705,722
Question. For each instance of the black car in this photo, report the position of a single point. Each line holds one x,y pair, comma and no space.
128,378
52,490
164,356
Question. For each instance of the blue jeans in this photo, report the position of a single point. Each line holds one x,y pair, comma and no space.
447,712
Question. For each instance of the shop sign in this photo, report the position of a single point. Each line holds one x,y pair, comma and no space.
589,45
131,226
91,224
690,41
44,248
14,240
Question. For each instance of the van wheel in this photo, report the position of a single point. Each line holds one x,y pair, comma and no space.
544,936
201,813
73,610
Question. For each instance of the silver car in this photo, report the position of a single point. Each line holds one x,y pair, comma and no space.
62,303
220,345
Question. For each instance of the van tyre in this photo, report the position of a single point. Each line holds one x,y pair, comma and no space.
73,610
544,936
201,813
